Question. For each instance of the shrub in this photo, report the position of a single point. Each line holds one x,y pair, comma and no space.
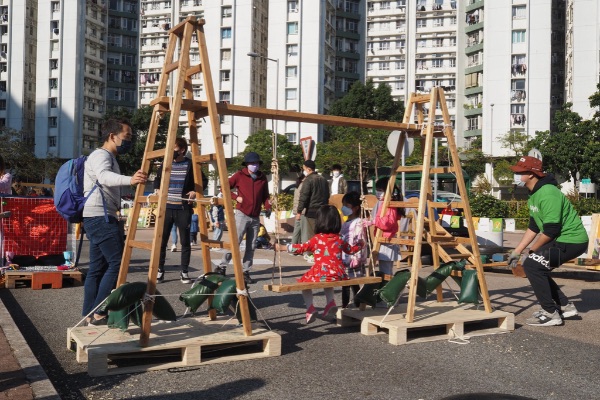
485,205
285,201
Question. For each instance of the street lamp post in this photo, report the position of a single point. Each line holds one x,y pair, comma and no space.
276,60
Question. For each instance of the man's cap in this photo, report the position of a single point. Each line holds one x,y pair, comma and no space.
251,158
310,164
529,164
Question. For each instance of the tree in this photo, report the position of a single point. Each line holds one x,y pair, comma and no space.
474,159
572,150
140,119
289,155
363,101
517,141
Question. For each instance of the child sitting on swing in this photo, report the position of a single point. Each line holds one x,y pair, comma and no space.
353,231
327,246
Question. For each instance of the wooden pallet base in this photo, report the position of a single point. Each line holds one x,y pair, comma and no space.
187,342
15,277
433,321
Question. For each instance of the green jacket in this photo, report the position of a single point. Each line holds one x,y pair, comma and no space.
553,214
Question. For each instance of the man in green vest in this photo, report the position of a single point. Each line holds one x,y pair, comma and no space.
560,237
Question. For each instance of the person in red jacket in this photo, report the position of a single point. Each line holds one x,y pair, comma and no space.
252,192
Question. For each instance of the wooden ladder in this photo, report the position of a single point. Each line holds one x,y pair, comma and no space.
428,229
182,99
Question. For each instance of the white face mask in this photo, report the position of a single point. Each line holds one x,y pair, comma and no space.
379,194
305,172
253,168
517,180
336,174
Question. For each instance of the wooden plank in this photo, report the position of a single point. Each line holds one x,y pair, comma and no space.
353,316
320,285
438,321
136,244
12,277
186,339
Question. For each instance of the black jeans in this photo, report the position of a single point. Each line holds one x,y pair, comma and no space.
181,219
538,267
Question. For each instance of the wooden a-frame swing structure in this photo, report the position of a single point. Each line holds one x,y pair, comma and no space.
182,100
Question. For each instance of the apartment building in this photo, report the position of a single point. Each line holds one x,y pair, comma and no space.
412,46
122,54
582,73
18,58
71,77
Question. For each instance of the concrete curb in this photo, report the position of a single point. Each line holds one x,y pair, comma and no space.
38,380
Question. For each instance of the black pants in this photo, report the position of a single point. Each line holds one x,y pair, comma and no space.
181,219
346,294
538,267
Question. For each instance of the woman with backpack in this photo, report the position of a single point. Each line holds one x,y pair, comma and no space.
100,220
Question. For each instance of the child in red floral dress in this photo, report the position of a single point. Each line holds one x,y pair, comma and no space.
327,246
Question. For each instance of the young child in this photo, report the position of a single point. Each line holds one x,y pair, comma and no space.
353,231
263,240
388,253
327,246
217,217
194,228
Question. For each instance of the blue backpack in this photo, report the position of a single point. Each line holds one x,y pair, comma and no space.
68,190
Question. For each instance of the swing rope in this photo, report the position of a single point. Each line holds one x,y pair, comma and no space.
275,210
363,214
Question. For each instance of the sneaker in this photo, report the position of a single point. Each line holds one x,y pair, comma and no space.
173,247
544,318
310,314
220,270
185,278
247,279
569,311
160,277
309,258
329,307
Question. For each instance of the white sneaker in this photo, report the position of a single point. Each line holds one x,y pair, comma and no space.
173,247
544,318
569,311
185,278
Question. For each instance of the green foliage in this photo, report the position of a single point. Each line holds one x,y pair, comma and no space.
573,148
140,119
20,160
517,141
502,172
520,212
485,205
474,161
289,155
285,201
585,206
367,102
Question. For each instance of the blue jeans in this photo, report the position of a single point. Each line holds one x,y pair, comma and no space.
248,226
218,232
174,234
106,250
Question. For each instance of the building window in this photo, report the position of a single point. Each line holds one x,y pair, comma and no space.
518,36
384,45
51,141
518,12
53,64
293,6
437,63
517,84
290,94
292,50
225,97
225,55
292,28
291,137
438,22
384,66
226,33
226,12
55,6
517,108
53,102
472,123
400,64
225,74
52,122
53,83
2,104
291,72
421,23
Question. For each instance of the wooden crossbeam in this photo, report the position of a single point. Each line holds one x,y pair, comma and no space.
294,287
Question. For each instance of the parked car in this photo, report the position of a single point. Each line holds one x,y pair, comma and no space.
446,197
290,189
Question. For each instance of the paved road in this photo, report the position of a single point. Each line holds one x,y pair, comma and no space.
324,361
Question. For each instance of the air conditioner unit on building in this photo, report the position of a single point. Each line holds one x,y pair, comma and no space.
55,31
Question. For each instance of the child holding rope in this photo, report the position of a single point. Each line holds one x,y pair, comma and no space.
388,223
327,246
353,231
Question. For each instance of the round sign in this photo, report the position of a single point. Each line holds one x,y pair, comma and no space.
392,144
535,153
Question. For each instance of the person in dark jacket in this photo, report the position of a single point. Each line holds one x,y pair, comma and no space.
252,190
560,237
179,211
314,194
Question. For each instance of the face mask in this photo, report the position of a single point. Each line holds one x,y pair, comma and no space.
336,174
379,194
124,147
517,180
346,211
253,168
305,173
